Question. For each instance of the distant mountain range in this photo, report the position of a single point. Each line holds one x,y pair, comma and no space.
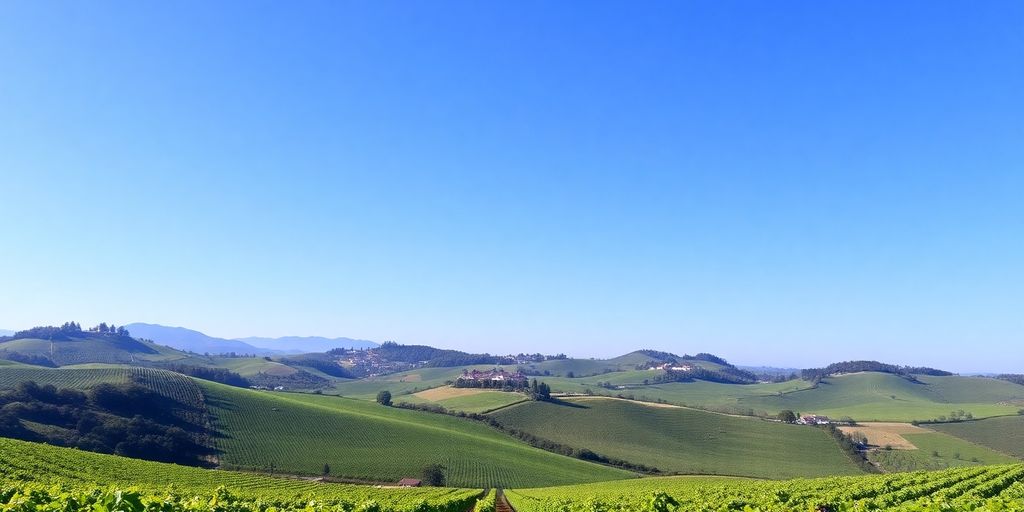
306,343
195,341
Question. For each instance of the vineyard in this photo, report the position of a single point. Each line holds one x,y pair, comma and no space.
37,477
298,433
961,489
172,385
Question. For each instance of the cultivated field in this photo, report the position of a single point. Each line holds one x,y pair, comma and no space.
28,472
299,433
937,450
464,399
1005,435
994,487
677,440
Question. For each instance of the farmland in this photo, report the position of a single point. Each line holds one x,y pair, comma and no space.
677,440
464,399
937,450
1004,435
299,433
30,469
997,487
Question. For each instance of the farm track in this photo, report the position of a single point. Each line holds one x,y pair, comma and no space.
501,504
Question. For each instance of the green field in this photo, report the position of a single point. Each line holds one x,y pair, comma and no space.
954,490
678,440
299,433
22,462
862,396
483,401
937,450
1004,434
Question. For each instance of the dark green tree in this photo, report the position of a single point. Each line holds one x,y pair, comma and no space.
384,398
327,469
433,475
787,416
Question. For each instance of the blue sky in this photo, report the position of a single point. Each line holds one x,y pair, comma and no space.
779,186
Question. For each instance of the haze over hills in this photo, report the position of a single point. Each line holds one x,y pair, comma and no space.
183,338
6,332
297,344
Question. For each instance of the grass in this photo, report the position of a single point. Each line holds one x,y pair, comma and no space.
299,433
402,383
937,450
682,440
464,399
1004,434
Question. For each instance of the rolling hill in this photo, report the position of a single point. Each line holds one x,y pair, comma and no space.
89,347
1005,434
679,440
299,433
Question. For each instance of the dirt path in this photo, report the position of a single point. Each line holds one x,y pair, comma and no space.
501,503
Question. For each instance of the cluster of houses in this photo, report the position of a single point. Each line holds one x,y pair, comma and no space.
267,388
813,419
679,367
496,375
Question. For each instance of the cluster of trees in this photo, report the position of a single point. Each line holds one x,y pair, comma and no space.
222,375
851,447
1015,378
539,390
126,419
954,417
68,330
725,375
816,374
35,359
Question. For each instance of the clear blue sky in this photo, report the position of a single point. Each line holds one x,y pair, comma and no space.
787,186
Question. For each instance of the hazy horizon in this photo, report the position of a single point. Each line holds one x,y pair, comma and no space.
784,187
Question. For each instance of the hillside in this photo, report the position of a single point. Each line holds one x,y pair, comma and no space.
1004,434
299,433
87,347
677,440
22,461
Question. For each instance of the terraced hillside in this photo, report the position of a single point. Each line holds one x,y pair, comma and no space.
299,433
678,440
23,463
172,385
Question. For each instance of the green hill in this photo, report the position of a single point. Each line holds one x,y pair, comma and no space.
886,397
1004,434
682,440
299,433
89,347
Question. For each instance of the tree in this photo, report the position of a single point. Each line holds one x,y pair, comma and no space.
787,416
433,475
384,398
327,469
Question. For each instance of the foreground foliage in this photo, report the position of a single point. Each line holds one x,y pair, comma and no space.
36,477
991,488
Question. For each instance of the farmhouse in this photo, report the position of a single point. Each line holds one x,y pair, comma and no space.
813,419
672,366
495,376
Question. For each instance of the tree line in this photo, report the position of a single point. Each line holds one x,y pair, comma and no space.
816,374
125,419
